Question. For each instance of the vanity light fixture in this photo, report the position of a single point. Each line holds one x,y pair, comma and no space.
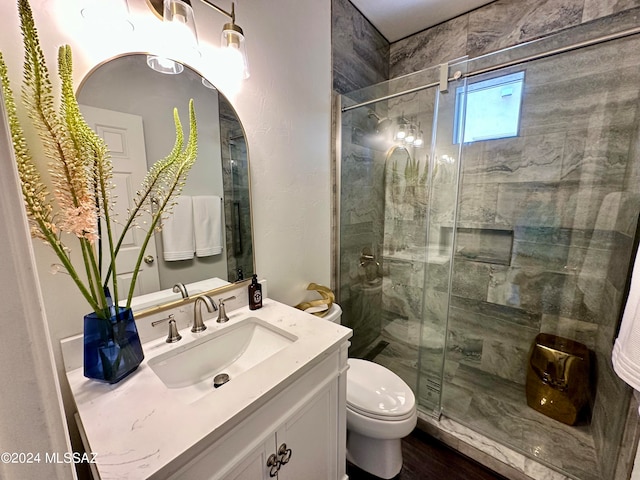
408,133
402,131
411,135
179,14
419,140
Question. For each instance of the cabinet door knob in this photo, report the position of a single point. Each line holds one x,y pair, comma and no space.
274,465
284,453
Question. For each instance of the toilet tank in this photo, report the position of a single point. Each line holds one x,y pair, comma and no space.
334,314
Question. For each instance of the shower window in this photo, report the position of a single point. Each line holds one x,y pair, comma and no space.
490,109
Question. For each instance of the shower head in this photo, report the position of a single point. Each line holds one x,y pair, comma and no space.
381,123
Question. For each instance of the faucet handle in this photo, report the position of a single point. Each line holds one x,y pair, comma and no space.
222,314
173,336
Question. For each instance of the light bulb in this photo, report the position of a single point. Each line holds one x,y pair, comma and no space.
179,38
411,136
233,39
232,63
182,34
224,69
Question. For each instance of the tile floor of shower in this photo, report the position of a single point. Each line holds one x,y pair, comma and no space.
488,404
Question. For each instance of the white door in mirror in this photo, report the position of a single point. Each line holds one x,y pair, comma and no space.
124,135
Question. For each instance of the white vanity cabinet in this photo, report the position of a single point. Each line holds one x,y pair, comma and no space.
304,447
141,429
299,434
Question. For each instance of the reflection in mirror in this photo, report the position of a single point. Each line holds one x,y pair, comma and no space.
405,204
208,237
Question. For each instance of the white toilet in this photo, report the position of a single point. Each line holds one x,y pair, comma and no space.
381,409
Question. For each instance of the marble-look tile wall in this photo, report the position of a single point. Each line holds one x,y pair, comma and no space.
360,54
495,26
361,231
360,58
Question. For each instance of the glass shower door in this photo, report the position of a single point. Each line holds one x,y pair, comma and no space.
441,214
385,192
546,221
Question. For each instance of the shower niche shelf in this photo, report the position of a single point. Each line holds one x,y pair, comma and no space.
477,244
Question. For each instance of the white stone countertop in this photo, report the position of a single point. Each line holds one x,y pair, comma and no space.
139,428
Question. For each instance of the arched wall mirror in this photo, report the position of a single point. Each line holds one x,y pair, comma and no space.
131,107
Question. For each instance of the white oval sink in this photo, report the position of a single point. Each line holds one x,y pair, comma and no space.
232,350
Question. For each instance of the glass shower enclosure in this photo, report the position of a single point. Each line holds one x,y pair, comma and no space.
482,203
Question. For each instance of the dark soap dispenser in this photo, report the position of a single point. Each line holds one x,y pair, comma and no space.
255,294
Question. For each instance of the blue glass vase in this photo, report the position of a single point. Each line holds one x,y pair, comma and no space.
112,348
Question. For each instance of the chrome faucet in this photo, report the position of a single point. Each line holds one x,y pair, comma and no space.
222,314
198,324
180,288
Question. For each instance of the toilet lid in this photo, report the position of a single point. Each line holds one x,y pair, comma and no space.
375,391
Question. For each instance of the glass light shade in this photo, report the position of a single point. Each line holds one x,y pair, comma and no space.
164,65
208,84
178,40
402,132
419,141
179,16
233,41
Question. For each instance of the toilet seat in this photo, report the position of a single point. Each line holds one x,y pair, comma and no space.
387,418
376,392
380,429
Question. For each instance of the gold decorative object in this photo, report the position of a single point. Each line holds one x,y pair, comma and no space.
558,377
318,307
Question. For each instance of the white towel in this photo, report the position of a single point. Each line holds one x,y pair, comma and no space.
626,351
207,224
177,231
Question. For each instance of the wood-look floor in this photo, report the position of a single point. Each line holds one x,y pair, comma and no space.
425,458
